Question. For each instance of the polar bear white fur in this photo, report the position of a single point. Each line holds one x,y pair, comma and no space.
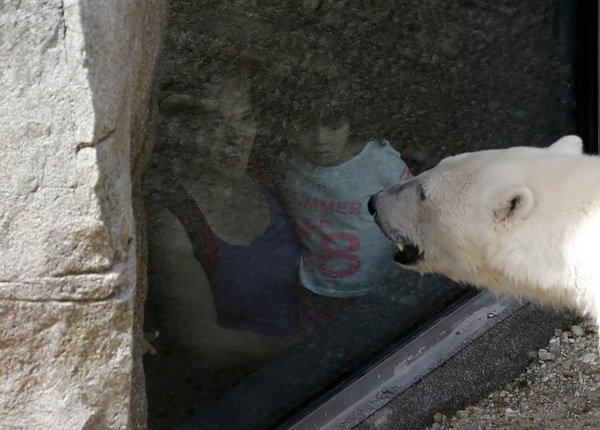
522,220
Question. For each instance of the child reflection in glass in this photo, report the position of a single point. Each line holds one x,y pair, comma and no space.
239,233
327,184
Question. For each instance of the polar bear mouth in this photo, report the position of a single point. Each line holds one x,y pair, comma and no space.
407,254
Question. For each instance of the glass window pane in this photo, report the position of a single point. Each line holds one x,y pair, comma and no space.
278,120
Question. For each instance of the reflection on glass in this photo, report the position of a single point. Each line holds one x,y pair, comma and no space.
223,256
246,246
262,257
326,186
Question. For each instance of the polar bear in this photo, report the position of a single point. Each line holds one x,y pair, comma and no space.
523,220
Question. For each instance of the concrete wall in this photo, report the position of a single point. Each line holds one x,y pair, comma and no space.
75,125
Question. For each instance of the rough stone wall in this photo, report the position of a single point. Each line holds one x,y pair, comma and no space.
74,114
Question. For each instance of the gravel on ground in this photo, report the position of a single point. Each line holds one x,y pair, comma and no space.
559,390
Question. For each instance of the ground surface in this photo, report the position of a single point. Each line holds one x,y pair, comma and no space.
559,390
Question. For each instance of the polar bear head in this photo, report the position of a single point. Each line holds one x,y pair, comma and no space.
489,218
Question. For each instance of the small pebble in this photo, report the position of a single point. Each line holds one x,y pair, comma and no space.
463,414
544,355
439,418
554,349
590,357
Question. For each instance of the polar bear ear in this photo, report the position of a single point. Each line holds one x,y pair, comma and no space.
512,204
567,145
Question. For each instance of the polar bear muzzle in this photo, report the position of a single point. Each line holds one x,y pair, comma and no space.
408,253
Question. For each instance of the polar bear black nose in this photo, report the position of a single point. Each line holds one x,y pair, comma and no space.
372,203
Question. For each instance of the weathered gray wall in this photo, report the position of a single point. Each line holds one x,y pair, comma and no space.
75,122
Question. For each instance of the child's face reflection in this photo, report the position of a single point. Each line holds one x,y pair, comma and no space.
325,147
